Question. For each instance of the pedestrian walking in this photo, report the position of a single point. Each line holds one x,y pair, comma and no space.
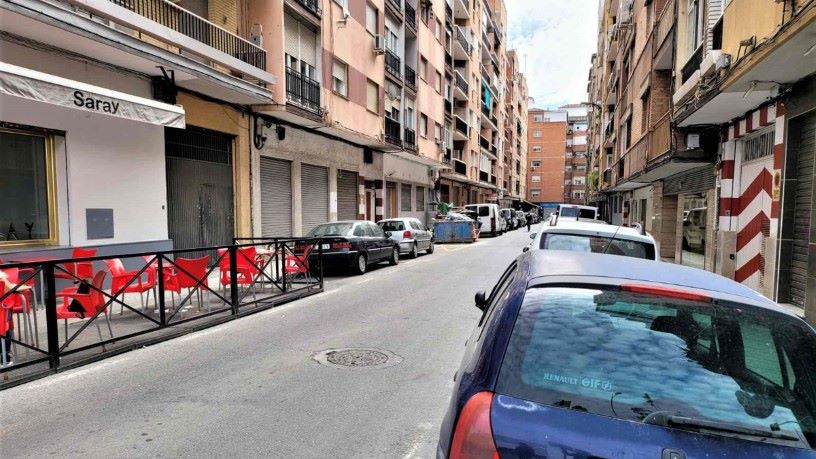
529,222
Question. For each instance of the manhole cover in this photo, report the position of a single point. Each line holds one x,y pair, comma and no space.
357,358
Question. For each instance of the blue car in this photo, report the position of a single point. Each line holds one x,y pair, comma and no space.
581,355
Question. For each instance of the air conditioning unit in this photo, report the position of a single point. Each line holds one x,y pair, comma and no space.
379,44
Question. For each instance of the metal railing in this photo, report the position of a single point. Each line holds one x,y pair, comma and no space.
392,132
395,5
393,64
462,39
312,6
660,142
197,28
302,91
143,298
410,16
460,81
462,126
409,139
410,78
693,64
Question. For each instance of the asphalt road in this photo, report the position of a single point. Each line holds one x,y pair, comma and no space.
251,388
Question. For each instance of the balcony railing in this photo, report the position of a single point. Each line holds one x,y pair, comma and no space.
693,64
660,142
462,39
392,64
311,5
409,139
392,132
459,167
410,78
394,5
462,126
197,28
460,81
410,16
303,91
484,143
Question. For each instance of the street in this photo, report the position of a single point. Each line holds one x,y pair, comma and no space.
251,387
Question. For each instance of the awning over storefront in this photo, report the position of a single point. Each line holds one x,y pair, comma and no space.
42,87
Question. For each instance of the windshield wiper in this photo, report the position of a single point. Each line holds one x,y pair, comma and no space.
667,419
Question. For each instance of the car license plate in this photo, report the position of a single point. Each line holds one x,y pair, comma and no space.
326,246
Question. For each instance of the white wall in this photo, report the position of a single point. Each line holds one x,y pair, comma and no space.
401,171
108,163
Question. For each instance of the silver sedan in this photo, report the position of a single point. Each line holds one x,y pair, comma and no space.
413,237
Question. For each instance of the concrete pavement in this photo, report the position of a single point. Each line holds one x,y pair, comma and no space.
250,388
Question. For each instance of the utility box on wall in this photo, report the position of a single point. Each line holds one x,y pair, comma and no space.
726,256
99,223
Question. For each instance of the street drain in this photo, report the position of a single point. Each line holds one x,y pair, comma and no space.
357,358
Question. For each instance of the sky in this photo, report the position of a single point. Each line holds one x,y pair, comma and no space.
555,40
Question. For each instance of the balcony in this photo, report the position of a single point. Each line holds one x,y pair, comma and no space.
199,29
303,91
462,131
393,65
460,86
392,132
660,142
459,167
448,107
312,6
409,139
410,18
394,7
484,176
410,79
489,119
693,64
461,45
461,9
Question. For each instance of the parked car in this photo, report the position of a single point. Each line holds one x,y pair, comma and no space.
411,235
584,355
578,236
694,229
354,245
489,217
509,216
575,212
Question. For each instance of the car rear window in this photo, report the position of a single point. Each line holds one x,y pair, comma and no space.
597,244
331,229
628,355
577,212
392,226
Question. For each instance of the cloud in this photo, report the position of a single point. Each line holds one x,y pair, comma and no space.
555,40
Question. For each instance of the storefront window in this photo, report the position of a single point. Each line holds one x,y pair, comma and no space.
695,217
26,188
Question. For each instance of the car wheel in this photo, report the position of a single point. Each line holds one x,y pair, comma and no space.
361,265
493,233
414,251
394,260
686,245
430,248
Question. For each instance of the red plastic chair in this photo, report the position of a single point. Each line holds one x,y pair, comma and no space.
120,278
6,346
245,269
80,269
91,302
177,279
297,264
19,303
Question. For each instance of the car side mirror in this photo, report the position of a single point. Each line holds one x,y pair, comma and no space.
533,236
481,301
388,234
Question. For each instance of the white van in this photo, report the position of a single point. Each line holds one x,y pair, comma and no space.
575,212
490,218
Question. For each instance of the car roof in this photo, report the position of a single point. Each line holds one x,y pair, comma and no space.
396,219
568,225
547,266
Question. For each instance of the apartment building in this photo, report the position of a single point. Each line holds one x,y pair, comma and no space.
546,157
476,38
515,131
727,115
125,124
575,154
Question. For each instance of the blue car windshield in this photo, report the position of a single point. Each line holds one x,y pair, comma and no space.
627,356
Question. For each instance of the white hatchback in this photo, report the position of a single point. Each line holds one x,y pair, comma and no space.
578,236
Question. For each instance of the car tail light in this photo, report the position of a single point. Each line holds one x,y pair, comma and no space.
667,292
341,245
473,437
407,235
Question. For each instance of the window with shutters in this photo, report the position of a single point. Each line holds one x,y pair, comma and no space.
537,134
405,198
423,68
420,198
300,47
340,78
437,131
438,83
372,96
409,117
423,125
372,19
758,145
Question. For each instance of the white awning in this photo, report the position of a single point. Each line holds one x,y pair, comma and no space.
42,87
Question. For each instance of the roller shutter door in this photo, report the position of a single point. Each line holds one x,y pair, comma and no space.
802,213
695,181
346,195
314,196
276,197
